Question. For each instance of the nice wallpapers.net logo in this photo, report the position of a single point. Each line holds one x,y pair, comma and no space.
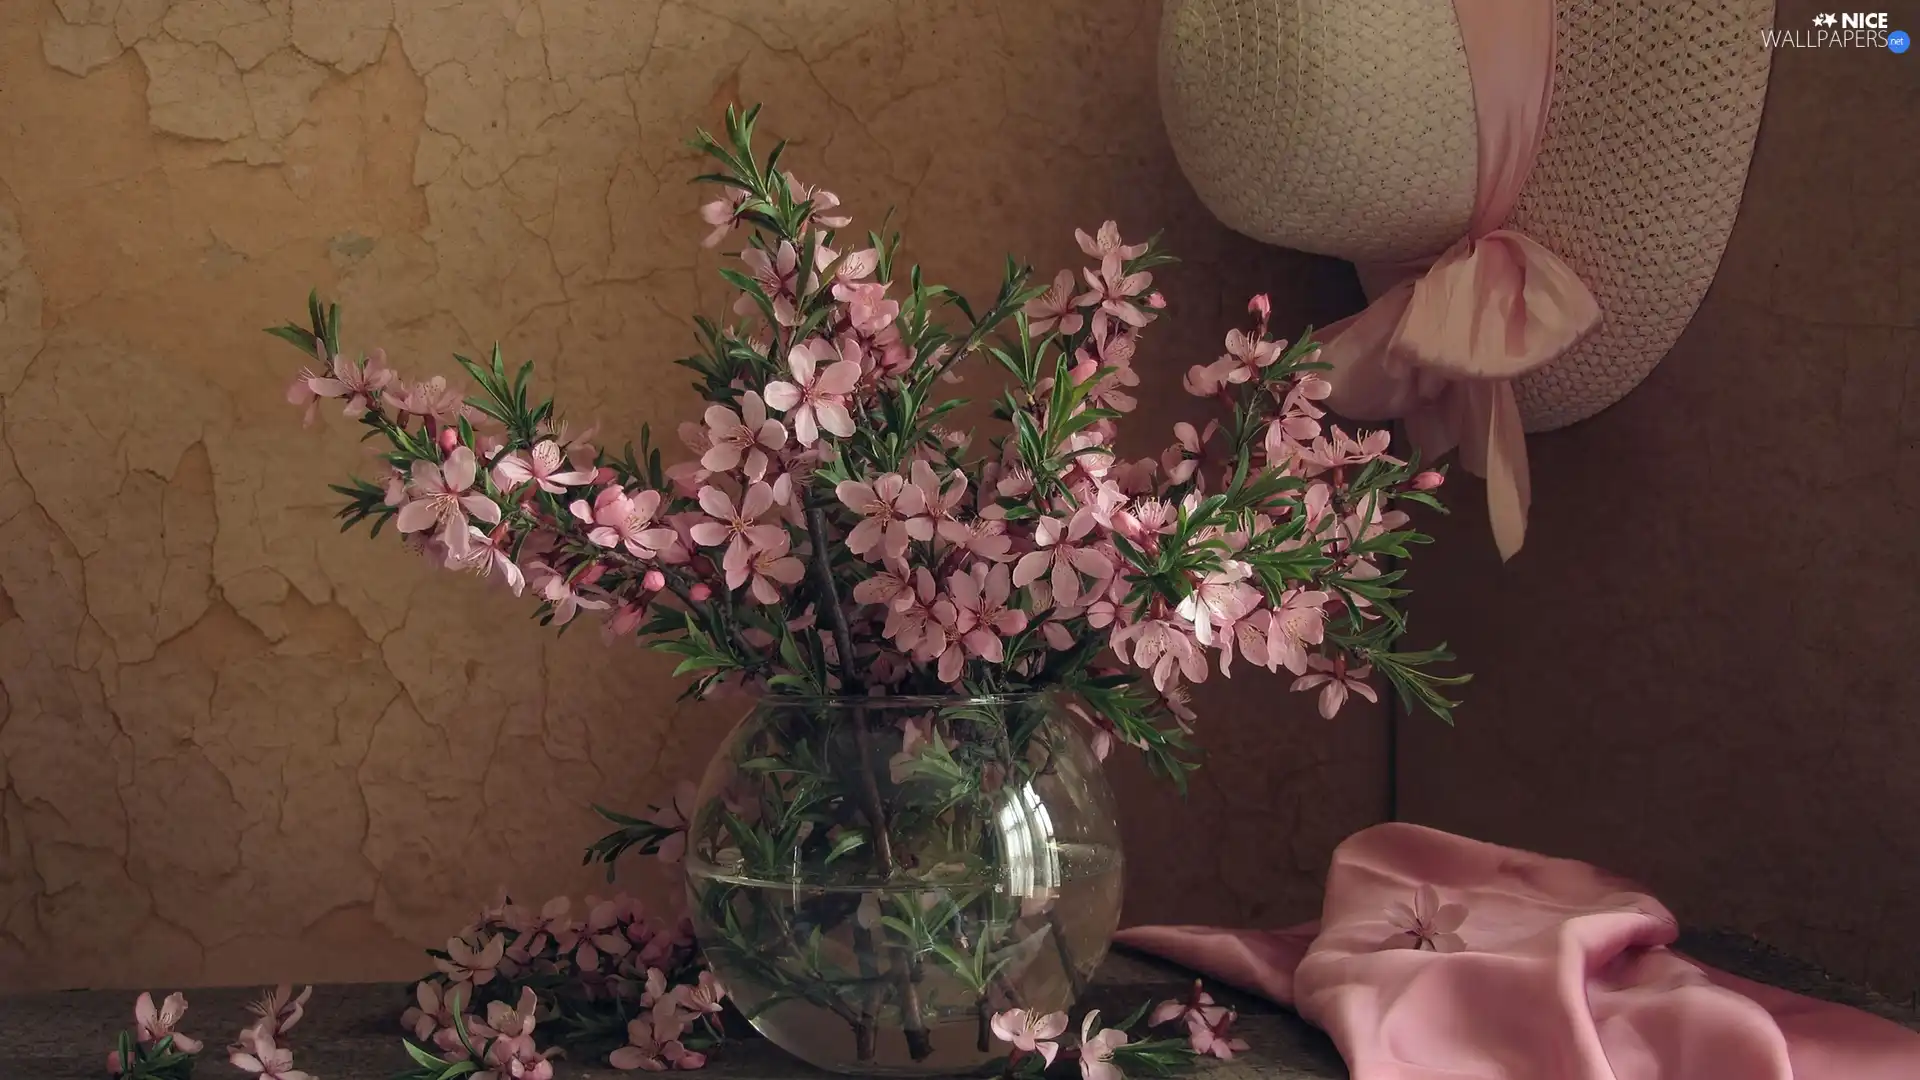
1843,30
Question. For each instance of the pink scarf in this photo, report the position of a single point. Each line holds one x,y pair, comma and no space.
1444,337
1555,970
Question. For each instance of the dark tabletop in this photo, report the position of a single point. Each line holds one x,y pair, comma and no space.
351,1031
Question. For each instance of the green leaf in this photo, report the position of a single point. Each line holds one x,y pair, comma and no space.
421,1056
848,842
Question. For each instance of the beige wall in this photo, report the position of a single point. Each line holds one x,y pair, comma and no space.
1701,672
236,746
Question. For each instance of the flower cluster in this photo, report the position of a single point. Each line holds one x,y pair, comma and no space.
1106,1053
157,1050
612,973
830,534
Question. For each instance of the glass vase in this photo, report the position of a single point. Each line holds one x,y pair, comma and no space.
874,877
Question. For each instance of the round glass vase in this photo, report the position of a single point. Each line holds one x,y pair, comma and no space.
873,878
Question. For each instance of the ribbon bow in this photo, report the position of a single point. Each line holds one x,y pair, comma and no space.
1440,346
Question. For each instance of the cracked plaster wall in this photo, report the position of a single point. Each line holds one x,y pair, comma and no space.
237,746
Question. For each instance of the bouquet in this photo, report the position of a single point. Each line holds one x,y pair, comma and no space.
837,529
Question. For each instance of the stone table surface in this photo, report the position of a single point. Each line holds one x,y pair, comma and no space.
351,1031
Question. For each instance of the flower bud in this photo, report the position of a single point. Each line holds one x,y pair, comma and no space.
1261,307
1428,480
654,581
1156,301
699,593
449,438
603,475
594,572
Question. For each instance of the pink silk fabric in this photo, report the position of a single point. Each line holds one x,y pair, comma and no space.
1566,975
1444,336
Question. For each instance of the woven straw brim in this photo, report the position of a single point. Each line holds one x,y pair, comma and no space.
1347,129
1655,110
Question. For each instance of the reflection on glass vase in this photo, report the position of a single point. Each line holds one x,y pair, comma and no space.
873,878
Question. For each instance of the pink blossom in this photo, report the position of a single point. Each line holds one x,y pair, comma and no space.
1207,1034
429,1013
822,199
1161,647
1335,681
301,393
466,962
646,1050
1339,449
1247,356
441,495
1096,1050
722,213
769,569
434,400
869,310
1062,557
1055,308
1427,924
943,502
1297,623
778,276
1031,1032
153,1024
891,587
741,528
1427,481
983,614
747,435
513,1020
1178,701
1106,242
816,398
1182,460
1221,597
984,537
1114,290
891,512
279,1010
567,599
515,1057
487,556
358,383
538,931
258,1054
544,465
1288,437
1197,1003
704,997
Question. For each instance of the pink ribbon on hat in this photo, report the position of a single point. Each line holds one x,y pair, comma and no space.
1444,337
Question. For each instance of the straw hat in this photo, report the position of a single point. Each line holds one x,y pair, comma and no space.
1348,128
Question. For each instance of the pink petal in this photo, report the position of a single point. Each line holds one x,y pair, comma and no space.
716,502
459,469
416,516
805,431
782,395
835,418
839,378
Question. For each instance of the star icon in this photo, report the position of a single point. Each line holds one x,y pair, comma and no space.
1824,20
